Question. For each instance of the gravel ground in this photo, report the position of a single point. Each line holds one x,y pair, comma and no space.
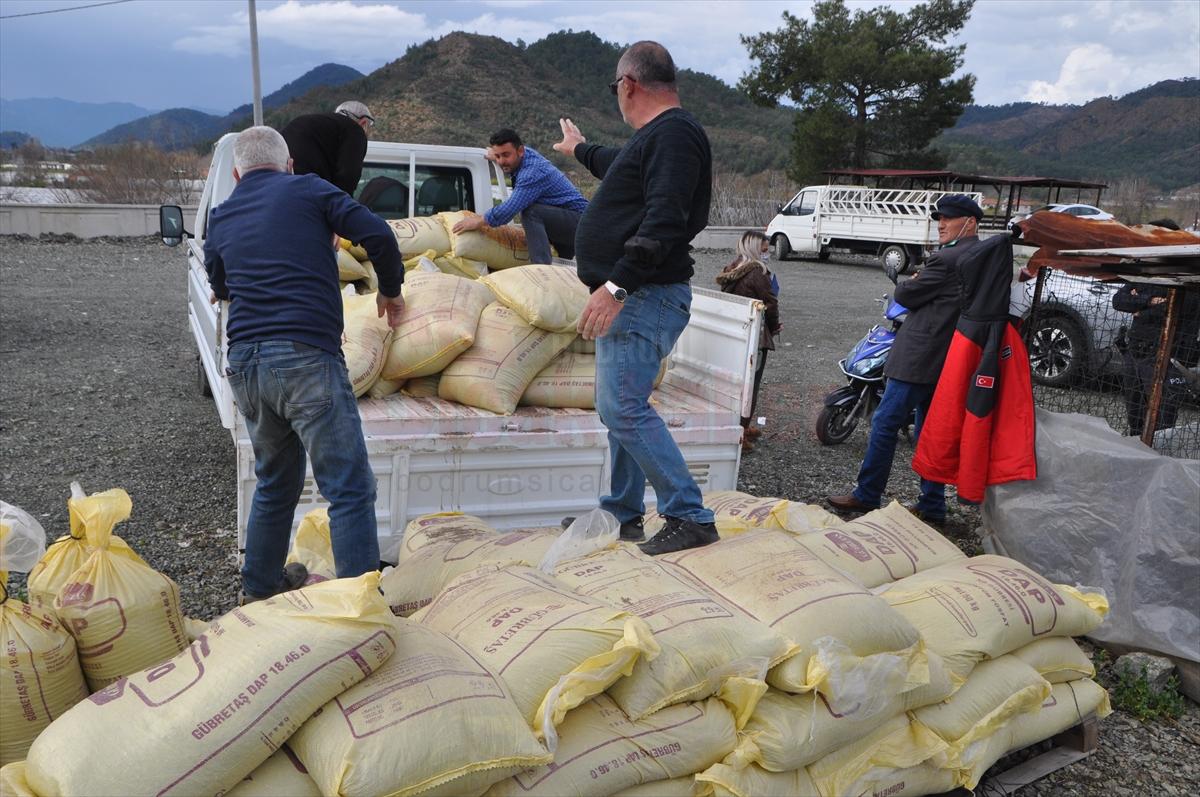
99,387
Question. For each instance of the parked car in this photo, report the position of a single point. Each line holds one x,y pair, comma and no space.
1082,211
1075,329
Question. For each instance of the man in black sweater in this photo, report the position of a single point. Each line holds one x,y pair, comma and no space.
632,249
331,145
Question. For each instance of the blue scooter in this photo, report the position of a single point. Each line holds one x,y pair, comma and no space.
847,406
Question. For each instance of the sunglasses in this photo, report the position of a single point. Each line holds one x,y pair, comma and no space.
613,86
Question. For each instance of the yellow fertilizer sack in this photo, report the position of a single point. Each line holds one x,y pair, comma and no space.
441,314
499,247
782,584
882,546
601,751
422,386
382,388
701,638
13,782
507,355
736,513
787,732
432,720
549,297
568,381
874,759
442,528
418,235
365,338
281,775
997,691
313,548
349,269
449,264
582,346
356,251
124,615
39,674
723,780
202,721
1057,659
420,576
554,648
672,787
986,606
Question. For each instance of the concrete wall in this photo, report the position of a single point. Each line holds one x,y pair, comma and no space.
84,221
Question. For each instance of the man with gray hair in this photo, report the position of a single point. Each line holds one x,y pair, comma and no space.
270,253
331,145
632,249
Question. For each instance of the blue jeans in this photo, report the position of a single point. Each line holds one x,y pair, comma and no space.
548,224
297,399
899,399
639,445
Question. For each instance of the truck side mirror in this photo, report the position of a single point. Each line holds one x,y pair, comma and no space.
170,225
779,208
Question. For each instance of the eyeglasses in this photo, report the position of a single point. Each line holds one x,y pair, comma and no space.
370,119
613,86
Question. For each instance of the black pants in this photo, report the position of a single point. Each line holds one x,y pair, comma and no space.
546,226
1139,382
758,375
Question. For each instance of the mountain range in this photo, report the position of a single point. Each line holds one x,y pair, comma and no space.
65,123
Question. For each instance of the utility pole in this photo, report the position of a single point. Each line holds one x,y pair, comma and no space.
258,116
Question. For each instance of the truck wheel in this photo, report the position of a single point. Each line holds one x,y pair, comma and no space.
1057,351
202,386
894,258
835,424
823,255
782,246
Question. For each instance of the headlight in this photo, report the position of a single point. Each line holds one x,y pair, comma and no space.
865,367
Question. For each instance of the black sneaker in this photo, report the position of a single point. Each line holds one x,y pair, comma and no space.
679,535
631,530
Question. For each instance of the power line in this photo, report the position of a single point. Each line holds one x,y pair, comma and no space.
60,10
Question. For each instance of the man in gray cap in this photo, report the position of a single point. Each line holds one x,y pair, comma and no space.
331,145
915,361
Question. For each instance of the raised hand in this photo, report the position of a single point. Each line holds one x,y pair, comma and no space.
572,137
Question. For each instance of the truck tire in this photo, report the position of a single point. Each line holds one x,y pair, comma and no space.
782,246
895,257
823,255
202,386
1058,351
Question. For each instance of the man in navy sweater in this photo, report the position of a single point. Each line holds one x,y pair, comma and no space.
632,249
270,253
550,206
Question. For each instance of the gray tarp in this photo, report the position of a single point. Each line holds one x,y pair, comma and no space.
1108,512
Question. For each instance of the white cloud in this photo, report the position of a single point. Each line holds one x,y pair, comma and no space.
507,28
1087,72
227,40
513,3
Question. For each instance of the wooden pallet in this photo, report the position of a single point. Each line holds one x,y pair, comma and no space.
1073,744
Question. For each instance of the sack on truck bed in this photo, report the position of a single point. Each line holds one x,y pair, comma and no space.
204,720
699,636
418,235
448,264
441,314
554,648
507,355
736,513
432,720
601,751
499,247
882,546
313,548
365,338
281,775
986,606
124,615
781,583
548,297
442,528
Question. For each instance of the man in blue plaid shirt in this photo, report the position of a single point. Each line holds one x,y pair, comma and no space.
550,206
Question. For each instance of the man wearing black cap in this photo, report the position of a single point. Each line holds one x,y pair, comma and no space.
916,358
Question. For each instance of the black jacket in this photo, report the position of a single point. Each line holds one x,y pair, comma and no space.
933,301
1146,328
329,145
652,201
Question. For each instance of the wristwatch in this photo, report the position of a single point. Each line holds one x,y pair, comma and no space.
618,294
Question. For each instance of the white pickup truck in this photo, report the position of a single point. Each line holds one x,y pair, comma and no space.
531,468
891,223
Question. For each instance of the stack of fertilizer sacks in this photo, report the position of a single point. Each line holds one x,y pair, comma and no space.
799,655
481,326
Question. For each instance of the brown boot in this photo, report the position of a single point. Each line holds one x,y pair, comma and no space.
753,432
747,445
848,503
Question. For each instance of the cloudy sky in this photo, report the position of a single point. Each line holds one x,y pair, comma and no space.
169,53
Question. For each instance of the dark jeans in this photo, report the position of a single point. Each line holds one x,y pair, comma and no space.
899,399
1139,382
297,399
546,226
758,375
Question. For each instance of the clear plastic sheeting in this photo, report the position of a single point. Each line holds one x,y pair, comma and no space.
1108,512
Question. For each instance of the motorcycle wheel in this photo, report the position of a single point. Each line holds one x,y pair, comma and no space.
835,424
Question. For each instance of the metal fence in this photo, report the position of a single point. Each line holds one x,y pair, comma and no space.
1123,351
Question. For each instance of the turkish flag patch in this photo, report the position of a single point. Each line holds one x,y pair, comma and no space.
985,381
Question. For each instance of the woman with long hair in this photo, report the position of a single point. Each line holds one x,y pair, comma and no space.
748,276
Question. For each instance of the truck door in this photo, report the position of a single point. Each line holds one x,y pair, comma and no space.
802,221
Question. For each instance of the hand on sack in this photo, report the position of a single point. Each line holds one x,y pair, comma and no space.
571,137
469,223
598,314
392,306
